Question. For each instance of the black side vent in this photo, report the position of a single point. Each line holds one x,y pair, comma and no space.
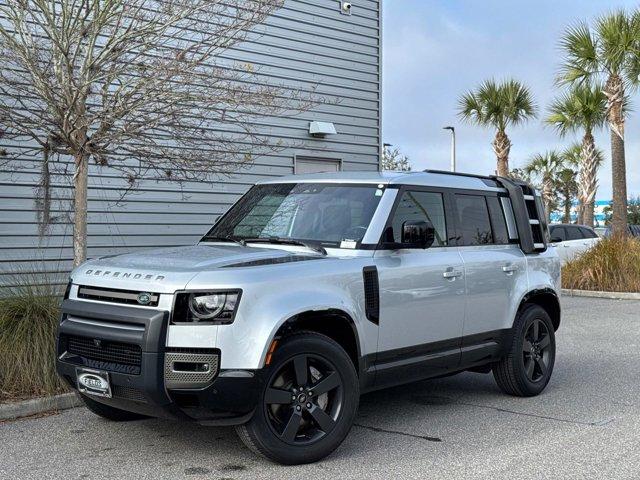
371,294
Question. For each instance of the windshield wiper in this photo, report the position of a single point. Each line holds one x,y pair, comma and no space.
216,238
286,241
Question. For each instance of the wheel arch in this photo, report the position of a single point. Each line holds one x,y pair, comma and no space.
332,322
548,299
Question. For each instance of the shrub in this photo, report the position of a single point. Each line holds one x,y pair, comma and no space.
613,265
28,322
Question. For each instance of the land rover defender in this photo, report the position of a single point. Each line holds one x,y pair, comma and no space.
310,291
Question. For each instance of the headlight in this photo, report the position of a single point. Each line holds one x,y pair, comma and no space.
216,308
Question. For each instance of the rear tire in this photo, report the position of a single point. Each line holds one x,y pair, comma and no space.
526,369
110,413
307,404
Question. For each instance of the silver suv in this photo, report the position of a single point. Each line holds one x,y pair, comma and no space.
310,291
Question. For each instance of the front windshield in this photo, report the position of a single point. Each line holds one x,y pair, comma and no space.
312,212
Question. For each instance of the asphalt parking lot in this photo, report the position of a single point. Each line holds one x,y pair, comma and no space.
585,425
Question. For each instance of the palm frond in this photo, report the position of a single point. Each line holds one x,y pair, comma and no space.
617,39
544,164
584,107
497,104
580,48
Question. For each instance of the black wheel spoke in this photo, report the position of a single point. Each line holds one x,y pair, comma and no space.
529,366
277,396
544,342
536,329
327,384
301,368
291,429
541,365
324,421
526,346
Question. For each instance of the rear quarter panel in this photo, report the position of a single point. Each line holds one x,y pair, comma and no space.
544,271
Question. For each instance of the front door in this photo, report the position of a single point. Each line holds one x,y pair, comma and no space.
421,295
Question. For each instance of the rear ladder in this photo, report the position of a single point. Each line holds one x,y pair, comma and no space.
529,214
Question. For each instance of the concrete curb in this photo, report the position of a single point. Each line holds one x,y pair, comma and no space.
596,294
10,411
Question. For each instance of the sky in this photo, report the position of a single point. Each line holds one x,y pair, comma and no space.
435,50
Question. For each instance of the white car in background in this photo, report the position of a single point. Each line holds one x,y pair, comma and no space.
572,240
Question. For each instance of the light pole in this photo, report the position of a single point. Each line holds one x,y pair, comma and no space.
453,147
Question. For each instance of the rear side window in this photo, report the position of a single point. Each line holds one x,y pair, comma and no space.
588,233
558,232
573,233
474,226
498,222
417,206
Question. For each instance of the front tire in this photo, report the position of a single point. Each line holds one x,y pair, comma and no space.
110,413
526,370
308,401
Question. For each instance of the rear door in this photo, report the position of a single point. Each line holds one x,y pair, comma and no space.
590,237
575,244
495,272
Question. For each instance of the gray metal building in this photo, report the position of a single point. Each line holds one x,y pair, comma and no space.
306,43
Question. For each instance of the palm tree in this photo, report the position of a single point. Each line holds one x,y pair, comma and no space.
608,53
545,166
572,157
584,108
498,105
567,187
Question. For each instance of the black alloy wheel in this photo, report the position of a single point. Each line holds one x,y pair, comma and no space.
308,401
526,368
304,399
536,350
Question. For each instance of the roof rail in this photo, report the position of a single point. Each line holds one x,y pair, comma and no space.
461,174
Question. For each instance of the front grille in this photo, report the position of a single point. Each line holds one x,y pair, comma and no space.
126,297
103,354
128,393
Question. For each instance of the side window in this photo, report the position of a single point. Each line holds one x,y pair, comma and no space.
588,233
474,227
498,222
558,232
573,233
416,206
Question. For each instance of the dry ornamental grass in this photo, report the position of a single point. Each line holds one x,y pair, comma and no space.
613,265
28,322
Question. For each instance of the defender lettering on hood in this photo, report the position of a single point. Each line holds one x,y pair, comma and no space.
128,275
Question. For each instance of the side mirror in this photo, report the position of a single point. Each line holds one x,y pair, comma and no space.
418,234
555,239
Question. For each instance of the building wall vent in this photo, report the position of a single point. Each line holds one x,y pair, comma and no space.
321,129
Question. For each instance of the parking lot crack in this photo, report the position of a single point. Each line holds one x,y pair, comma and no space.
598,423
398,432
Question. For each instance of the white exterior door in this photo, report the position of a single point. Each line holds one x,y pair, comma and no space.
316,165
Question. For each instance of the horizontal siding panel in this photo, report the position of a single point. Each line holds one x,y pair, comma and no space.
17,230
101,241
117,216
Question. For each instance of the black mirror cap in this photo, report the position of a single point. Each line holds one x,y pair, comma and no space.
418,234
555,240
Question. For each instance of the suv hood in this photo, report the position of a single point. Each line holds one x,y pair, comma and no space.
165,270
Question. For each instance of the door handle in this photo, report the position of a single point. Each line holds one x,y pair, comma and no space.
451,273
509,269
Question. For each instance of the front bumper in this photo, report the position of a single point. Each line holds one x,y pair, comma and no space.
129,343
